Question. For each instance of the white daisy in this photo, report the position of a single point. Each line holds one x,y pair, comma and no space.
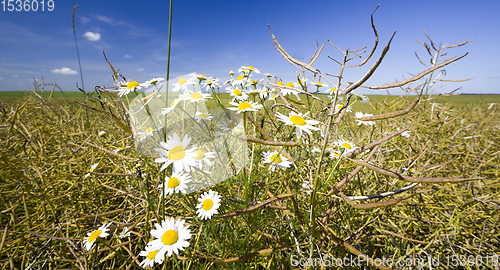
360,115
209,203
231,73
241,80
405,134
264,93
124,233
202,116
92,236
286,91
335,154
127,87
197,97
268,75
92,168
238,130
273,97
201,77
339,106
347,145
175,152
176,183
245,106
203,157
298,121
361,97
275,159
121,148
154,81
182,84
319,84
211,83
148,132
170,236
151,257
237,94
301,81
306,186
228,126
172,106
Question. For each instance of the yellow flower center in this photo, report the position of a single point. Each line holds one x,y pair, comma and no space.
94,235
153,81
182,81
289,84
173,182
176,153
208,204
319,84
203,115
297,120
347,145
231,125
174,102
202,77
200,154
132,84
195,96
239,78
152,255
209,82
333,89
251,68
170,237
253,82
276,158
244,105
237,92
339,106
149,130
280,83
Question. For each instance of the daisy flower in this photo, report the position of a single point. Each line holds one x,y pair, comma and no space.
204,157
154,81
241,80
273,97
209,203
149,132
360,115
361,97
92,168
319,85
176,183
151,257
175,151
92,236
182,84
237,94
268,75
120,148
170,236
128,87
275,159
298,121
211,83
264,93
228,126
347,145
238,130
286,91
201,77
172,106
303,82
245,106
335,154
124,233
339,106
197,97
231,73
248,69
202,116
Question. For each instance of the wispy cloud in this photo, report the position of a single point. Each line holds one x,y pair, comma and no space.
494,76
92,36
127,56
140,69
64,71
107,20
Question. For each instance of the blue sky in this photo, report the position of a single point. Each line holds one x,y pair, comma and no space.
214,37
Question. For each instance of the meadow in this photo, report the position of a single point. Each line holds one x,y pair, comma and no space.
266,175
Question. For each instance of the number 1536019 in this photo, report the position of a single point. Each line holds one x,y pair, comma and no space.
28,5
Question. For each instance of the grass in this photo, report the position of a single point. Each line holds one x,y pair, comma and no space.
49,206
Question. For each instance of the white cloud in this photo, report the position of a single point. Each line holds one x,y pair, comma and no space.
15,75
1,78
140,69
64,71
494,76
92,36
127,56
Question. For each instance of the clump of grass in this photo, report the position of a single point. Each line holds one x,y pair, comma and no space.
435,193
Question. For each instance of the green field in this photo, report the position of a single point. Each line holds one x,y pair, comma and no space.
50,204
